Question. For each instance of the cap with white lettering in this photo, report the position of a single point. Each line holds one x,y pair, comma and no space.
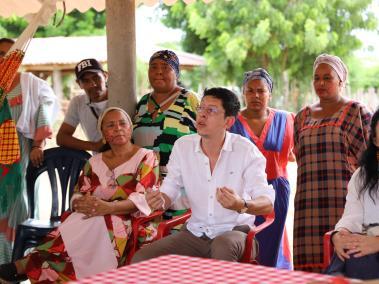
87,65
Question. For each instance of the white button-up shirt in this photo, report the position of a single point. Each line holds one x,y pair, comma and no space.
359,210
240,167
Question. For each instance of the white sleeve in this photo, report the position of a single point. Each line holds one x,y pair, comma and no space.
173,182
35,92
352,218
48,98
255,178
72,114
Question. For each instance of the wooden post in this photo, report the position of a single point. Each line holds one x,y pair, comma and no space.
121,48
57,84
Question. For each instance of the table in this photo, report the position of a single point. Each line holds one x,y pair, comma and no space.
185,269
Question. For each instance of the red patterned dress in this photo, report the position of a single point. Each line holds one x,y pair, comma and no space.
82,247
327,152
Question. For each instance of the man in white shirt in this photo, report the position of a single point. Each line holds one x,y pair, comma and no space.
224,178
85,109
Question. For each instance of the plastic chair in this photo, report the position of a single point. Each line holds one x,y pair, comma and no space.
328,249
59,162
165,227
136,223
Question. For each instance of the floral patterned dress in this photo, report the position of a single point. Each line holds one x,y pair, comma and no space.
81,247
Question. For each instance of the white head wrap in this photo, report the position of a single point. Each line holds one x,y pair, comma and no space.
333,61
100,120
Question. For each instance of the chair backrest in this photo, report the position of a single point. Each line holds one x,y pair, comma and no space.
62,163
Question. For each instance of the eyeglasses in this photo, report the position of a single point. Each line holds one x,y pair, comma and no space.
210,110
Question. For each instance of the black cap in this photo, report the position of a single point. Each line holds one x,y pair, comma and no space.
87,65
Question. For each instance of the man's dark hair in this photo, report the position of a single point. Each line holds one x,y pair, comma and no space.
229,100
6,40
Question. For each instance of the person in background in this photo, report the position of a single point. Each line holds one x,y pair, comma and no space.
329,138
223,176
32,104
109,196
356,235
271,131
85,109
165,114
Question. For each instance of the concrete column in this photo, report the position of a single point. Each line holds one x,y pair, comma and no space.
57,83
121,48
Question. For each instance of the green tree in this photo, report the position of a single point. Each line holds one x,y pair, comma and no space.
281,36
74,24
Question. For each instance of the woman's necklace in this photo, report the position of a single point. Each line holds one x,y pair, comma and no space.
160,105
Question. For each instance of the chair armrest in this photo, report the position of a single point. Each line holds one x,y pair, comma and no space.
136,222
327,248
165,226
246,257
142,220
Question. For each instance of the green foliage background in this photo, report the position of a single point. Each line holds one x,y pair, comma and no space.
281,36
74,24
235,36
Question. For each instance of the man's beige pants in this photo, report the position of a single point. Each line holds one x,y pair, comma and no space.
228,246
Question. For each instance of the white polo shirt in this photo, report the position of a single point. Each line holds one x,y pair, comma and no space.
240,167
79,112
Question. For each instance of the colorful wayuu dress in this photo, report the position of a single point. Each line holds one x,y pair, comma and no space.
275,143
31,104
160,132
327,152
82,247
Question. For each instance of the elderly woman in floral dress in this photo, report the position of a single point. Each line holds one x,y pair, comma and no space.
110,195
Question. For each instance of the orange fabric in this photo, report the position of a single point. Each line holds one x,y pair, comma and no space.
8,70
9,147
338,123
276,162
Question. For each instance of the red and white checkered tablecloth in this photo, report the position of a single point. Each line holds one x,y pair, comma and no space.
184,269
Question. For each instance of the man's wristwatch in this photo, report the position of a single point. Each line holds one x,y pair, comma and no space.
245,207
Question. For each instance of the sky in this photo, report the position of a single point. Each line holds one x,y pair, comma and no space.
151,30
370,39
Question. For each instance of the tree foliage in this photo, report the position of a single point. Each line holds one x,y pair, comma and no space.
283,36
74,24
